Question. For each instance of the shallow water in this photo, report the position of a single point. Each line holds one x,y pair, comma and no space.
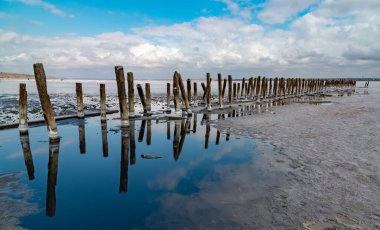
95,178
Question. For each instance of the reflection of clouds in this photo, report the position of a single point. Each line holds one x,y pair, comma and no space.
170,180
41,150
11,208
238,200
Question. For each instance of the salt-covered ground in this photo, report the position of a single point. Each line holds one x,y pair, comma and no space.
323,167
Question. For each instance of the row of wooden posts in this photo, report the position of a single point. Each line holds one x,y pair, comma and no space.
259,88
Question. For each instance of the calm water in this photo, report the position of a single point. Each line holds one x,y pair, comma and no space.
95,177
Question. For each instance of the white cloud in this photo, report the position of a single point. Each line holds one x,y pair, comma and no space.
237,10
322,43
280,11
47,6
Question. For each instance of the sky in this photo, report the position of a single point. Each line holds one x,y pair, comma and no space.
274,38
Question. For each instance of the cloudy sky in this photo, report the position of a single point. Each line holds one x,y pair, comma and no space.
87,38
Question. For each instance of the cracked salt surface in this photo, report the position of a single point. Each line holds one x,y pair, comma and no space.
329,157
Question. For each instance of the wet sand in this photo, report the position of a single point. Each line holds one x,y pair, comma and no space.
322,169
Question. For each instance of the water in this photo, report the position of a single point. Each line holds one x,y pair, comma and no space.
95,178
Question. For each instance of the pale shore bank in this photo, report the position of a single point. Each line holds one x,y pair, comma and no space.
325,160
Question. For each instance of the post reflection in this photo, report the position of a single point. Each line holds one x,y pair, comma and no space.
142,131
168,130
104,138
176,140
208,129
217,137
195,123
24,138
184,128
82,136
52,177
149,132
123,187
132,142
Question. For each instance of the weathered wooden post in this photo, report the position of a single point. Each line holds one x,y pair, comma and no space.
119,71
242,87
234,92
52,177
258,84
230,89
204,92
176,93
28,159
124,161
82,136
142,98
275,87
189,90
263,89
270,94
238,91
104,138
168,110
103,114
195,94
183,93
39,74
224,88
79,93
148,99
131,94
208,92
149,132
220,91
23,109
254,87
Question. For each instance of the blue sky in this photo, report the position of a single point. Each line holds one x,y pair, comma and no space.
311,38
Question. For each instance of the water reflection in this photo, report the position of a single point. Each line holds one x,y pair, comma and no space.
149,132
177,126
142,131
82,136
52,177
123,187
132,142
24,138
104,138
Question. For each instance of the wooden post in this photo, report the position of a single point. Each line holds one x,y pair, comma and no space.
224,87
195,94
270,94
168,110
254,87
263,92
124,161
176,92
28,159
234,92
142,98
189,90
230,89
238,91
39,74
183,93
82,136
275,87
79,92
204,91
208,91
104,138
52,177
242,87
258,86
148,99
131,94
103,115
23,109
220,91
119,71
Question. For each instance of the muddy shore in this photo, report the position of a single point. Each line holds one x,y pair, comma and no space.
327,158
